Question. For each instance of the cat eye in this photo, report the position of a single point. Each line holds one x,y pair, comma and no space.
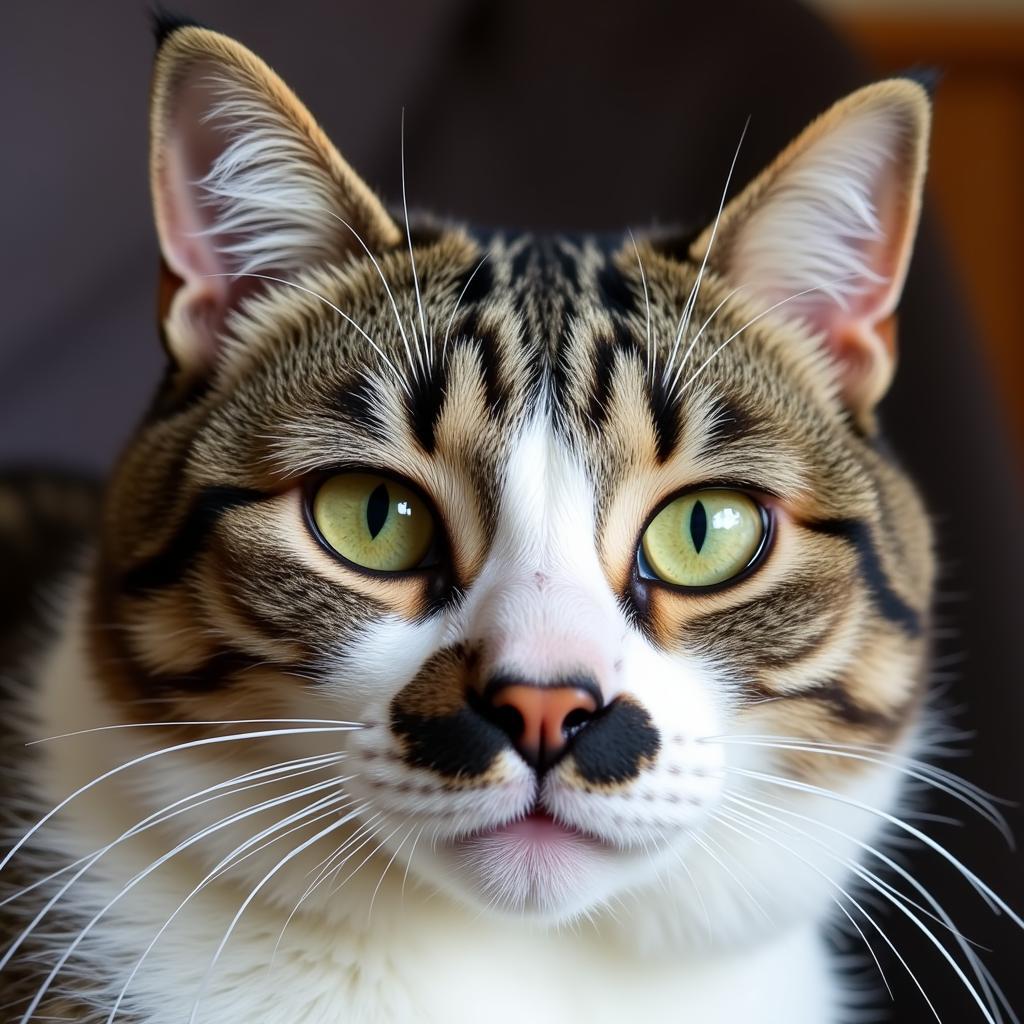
375,522
703,538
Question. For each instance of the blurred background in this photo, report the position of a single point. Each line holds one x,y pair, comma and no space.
565,114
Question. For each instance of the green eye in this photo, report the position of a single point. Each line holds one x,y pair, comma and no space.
703,538
374,521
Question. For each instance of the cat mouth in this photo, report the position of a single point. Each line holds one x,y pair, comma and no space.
538,828
534,862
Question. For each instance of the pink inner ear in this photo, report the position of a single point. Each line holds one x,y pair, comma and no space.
884,258
187,216
828,240
862,338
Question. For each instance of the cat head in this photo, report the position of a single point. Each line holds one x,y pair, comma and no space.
592,540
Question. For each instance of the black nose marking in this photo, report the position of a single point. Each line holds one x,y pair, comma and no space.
617,744
436,728
461,744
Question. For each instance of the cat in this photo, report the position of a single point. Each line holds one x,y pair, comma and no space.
478,625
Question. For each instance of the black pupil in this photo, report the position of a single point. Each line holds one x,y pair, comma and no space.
377,509
698,526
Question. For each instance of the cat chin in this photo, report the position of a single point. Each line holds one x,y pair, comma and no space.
535,870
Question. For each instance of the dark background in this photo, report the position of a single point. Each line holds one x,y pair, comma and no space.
560,115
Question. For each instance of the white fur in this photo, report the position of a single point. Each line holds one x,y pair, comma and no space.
274,205
675,916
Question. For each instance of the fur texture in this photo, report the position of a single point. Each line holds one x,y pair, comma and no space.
290,802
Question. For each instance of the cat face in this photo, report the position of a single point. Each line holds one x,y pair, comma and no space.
575,532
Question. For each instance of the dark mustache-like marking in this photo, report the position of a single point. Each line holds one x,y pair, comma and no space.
459,745
886,600
437,728
616,745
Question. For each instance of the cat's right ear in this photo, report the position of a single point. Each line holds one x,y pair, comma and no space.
824,235
246,187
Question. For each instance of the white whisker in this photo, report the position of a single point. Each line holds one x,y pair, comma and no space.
172,725
274,774
704,842
995,902
163,859
384,281
901,902
959,789
458,302
684,319
333,806
853,902
700,332
408,861
325,866
750,323
283,862
398,849
647,304
399,378
205,741
412,255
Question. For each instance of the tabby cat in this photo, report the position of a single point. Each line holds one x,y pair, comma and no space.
479,626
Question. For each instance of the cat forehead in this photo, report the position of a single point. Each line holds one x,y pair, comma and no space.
487,328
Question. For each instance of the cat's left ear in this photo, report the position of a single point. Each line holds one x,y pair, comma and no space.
244,183
827,230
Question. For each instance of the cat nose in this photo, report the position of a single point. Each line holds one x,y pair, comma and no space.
541,720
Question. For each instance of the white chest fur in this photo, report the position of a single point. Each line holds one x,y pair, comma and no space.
402,954
433,962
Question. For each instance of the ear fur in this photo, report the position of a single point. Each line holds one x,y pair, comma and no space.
827,230
244,182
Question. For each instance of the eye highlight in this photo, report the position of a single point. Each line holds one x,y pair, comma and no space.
375,522
703,538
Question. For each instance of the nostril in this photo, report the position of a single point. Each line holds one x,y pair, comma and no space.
574,721
540,720
508,719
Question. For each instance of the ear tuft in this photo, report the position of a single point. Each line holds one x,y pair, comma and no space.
165,23
926,76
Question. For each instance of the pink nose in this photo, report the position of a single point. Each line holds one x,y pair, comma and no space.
541,720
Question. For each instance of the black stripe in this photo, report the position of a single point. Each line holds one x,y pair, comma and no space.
522,260
559,255
731,421
615,290
886,600
358,407
604,372
214,673
560,386
490,364
665,414
833,694
169,565
477,284
837,697
175,395
165,23
426,403
797,614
